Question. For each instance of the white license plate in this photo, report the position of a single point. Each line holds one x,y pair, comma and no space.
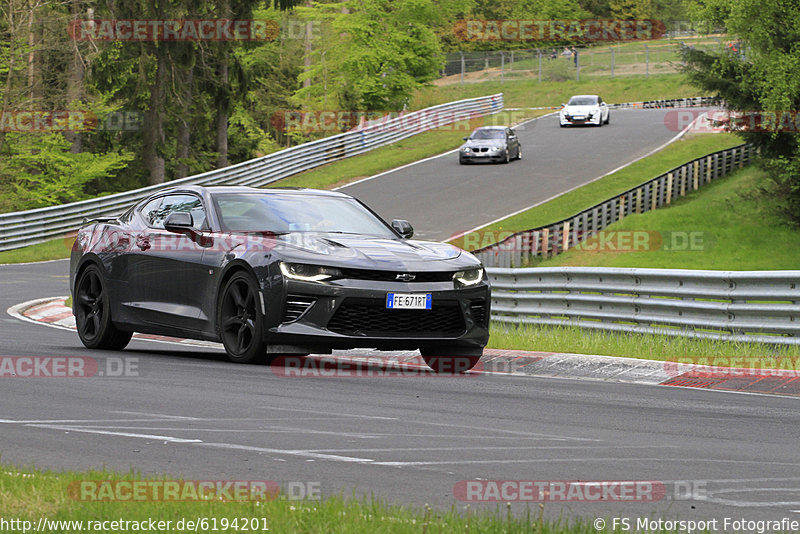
409,301
579,117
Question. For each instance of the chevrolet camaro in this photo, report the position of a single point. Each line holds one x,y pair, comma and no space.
276,271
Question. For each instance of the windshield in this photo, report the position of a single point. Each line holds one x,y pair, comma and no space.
291,212
487,134
582,101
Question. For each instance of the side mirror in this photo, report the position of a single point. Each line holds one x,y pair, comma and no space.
465,138
179,222
403,228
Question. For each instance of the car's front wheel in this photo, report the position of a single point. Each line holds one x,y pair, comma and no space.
93,313
519,152
507,155
240,320
451,360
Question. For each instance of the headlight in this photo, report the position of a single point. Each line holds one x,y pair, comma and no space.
469,277
465,149
495,148
309,273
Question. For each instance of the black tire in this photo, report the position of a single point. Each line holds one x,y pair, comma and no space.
240,322
519,152
451,360
93,313
600,122
507,156
608,118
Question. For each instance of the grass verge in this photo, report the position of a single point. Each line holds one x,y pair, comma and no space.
733,226
54,249
528,93
568,204
572,339
730,224
32,495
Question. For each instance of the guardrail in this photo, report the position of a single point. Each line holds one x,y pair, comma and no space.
24,228
554,238
758,306
688,102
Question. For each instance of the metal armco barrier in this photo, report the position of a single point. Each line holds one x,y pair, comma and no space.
24,228
691,102
757,306
518,248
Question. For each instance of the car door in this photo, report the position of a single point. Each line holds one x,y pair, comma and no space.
512,142
166,271
603,109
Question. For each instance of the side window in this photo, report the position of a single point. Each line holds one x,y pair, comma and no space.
171,203
150,211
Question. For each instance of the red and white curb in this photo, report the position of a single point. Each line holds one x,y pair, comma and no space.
52,312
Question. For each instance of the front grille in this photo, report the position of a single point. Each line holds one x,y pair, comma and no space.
480,149
296,306
478,311
391,276
368,317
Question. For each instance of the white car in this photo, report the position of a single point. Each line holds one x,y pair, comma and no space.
584,109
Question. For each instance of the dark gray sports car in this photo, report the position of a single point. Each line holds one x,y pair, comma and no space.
276,271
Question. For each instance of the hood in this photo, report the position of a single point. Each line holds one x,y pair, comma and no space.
369,252
581,110
477,143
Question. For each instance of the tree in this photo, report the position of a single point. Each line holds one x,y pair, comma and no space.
384,49
763,76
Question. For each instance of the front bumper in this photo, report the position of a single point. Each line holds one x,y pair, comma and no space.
482,157
569,120
353,314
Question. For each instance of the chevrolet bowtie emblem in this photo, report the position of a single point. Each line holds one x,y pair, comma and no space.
405,277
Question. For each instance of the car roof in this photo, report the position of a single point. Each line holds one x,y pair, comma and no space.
223,189
584,96
491,128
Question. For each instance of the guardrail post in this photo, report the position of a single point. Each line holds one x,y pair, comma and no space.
612,60
639,195
545,242
669,188
654,191
683,181
708,169
565,239
621,207
695,175
540,65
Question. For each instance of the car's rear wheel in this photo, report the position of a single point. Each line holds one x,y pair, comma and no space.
93,313
451,360
240,320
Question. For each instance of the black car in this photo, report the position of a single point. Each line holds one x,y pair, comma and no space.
276,271
492,144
